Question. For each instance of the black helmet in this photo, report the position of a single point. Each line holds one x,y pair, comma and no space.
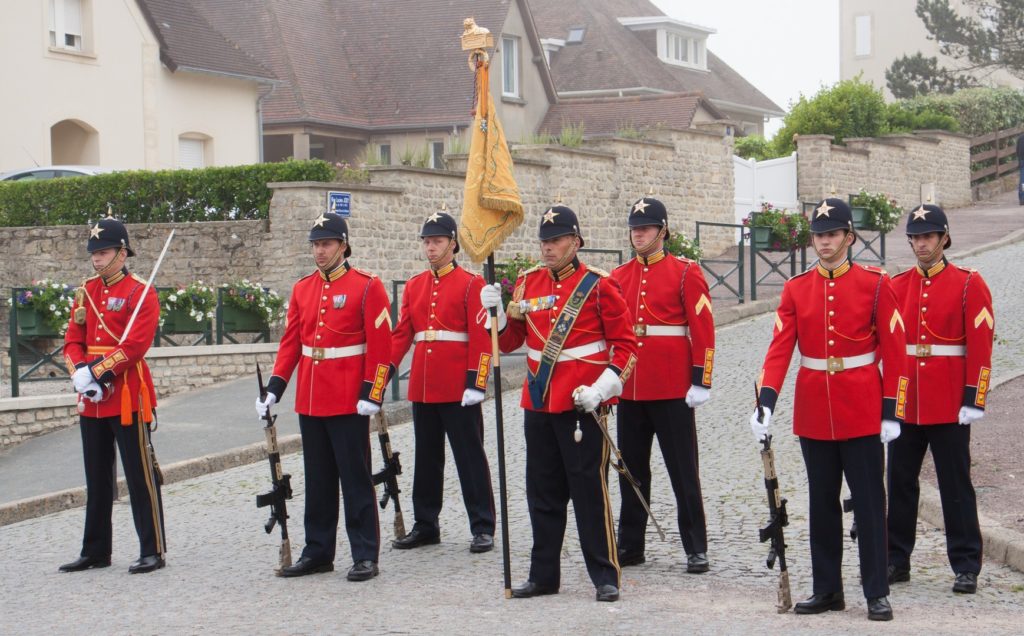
648,211
108,232
331,226
831,214
928,218
441,223
559,220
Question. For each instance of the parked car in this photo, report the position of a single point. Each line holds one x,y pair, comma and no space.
51,172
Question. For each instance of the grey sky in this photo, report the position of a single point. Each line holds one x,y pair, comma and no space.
783,47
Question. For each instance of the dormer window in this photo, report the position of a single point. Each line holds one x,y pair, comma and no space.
685,50
575,35
675,42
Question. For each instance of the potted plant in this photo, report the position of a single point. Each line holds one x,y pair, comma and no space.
679,244
776,230
507,273
249,306
187,309
44,309
881,213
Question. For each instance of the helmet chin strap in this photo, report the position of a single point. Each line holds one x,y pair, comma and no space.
930,259
440,257
568,256
335,259
649,249
107,270
818,254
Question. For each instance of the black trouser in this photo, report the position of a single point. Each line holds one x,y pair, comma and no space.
861,461
464,426
334,449
672,421
98,438
951,452
559,468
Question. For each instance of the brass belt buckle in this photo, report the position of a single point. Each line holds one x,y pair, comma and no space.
640,330
318,353
835,364
430,335
924,351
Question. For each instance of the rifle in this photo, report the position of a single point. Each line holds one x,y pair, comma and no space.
620,464
282,485
777,520
388,475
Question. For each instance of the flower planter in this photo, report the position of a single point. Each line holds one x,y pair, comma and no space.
235,319
860,218
178,321
32,323
761,237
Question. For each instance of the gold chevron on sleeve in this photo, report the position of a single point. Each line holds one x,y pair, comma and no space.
384,315
702,303
778,322
896,319
984,316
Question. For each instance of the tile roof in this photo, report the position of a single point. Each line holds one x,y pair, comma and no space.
608,115
189,42
358,63
613,57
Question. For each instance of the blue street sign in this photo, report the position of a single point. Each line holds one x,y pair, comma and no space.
339,203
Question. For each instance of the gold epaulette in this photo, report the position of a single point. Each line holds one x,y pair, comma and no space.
898,274
535,268
363,272
874,269
684,259
969,270
597,270
137,278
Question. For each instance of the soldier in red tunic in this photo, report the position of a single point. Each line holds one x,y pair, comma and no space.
338,333
949,360
580,350
116,398
668,297
845,320
440,310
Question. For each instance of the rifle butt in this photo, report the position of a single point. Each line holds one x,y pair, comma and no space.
785,597
399,523
284,556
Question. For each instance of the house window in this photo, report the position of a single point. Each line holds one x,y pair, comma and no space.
510,66
575,35
191,152
66,24
437,155
385,154
678,47
862,35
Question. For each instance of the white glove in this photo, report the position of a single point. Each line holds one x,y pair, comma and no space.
82,377
364,407
890,431
760,429
263,405
93,392
607,386
969,414
472,397
490,296
697,395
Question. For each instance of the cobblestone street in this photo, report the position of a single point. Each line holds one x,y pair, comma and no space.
219,577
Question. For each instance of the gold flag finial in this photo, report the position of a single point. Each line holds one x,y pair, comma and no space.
834,191
110,211
650,191
558,198
444,206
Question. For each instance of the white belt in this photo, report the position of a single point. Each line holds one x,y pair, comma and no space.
833,364
929,350
573,353
434,335
330,353
660,330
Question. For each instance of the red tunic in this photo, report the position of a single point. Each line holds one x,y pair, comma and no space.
669,294
338,333
445,310
852,313
604,318
945,307
108,305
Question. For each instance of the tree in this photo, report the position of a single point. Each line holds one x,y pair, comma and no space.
912,76
850,108
988,36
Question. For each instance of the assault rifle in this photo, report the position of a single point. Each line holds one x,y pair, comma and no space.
388,475
777,520
282,485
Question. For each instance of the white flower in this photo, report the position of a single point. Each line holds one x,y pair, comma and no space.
209,314
55,285
53,307
173,298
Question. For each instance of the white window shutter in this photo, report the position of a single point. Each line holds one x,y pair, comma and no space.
191,153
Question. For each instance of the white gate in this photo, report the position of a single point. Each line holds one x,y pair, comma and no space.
773,181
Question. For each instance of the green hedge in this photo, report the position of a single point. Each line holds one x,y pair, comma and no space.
141,196
977,110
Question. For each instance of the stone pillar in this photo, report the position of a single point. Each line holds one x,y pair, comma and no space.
300,145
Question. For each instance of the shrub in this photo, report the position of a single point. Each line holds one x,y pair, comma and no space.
255,298
754,147
850,108
195,299
140,196
788,230
976,110
901,119
679,244
883,213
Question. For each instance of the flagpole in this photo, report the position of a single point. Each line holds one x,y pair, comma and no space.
506,557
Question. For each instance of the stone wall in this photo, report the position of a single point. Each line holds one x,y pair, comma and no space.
174,369
898,165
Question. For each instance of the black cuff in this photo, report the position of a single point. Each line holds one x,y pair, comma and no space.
768,397
81,364
276,385
471,378
889,410
108,375
697,377
367,389
970,396
392,370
